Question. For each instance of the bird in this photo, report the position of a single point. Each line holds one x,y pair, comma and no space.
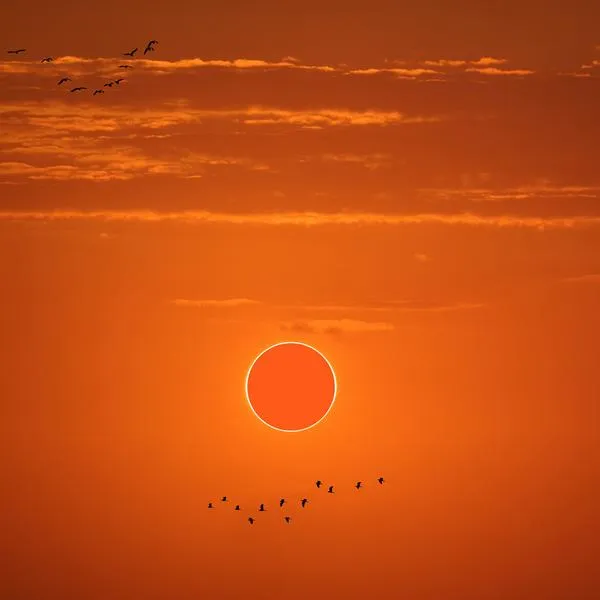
47,59
17,51
303,502
148,48
262,508
210,505
318,483
109,84
63,80
250,520
381,480
118,81
287,519
281,502
130,53
358,485
237,507
78,89
330,490
98,92
224,499
125,67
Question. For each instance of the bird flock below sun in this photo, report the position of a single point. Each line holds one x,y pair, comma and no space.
283,501
150,47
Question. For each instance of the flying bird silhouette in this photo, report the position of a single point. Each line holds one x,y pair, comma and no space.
118,81
130,53
17,51
281,502
250,520
63,80
224,499
318,483
98,92
330,490
262,508
303,502
125,67
237,507
287,519
210,505
78,89
109,84
47,59
381,480
358,485
148,49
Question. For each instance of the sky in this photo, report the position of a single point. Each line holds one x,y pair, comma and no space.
411,188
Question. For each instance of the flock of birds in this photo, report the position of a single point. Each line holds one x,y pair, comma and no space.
303,502
150,47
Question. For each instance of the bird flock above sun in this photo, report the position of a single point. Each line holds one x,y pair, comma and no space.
149,47
359,485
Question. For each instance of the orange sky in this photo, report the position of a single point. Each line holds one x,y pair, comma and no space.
414,190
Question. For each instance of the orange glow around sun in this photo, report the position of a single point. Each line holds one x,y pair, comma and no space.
291,386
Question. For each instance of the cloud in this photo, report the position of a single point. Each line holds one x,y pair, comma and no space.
446,62
588,70
79,66
55,117
590,278
116,164
484,61
336,326
61,172
415,306
408,73
341,324
303,219
393,306
55,141
369,161
324,117
576,74
382,306
238,63
496,71
224,303
489,60
542,189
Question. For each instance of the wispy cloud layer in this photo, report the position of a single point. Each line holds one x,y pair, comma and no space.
89,117
337,326
304,219
497,71
384,306
589,278
484,61
55,140
105,66
524,192
337,321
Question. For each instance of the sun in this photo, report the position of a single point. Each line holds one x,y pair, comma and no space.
291,386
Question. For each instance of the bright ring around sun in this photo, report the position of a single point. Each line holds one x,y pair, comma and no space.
291,386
